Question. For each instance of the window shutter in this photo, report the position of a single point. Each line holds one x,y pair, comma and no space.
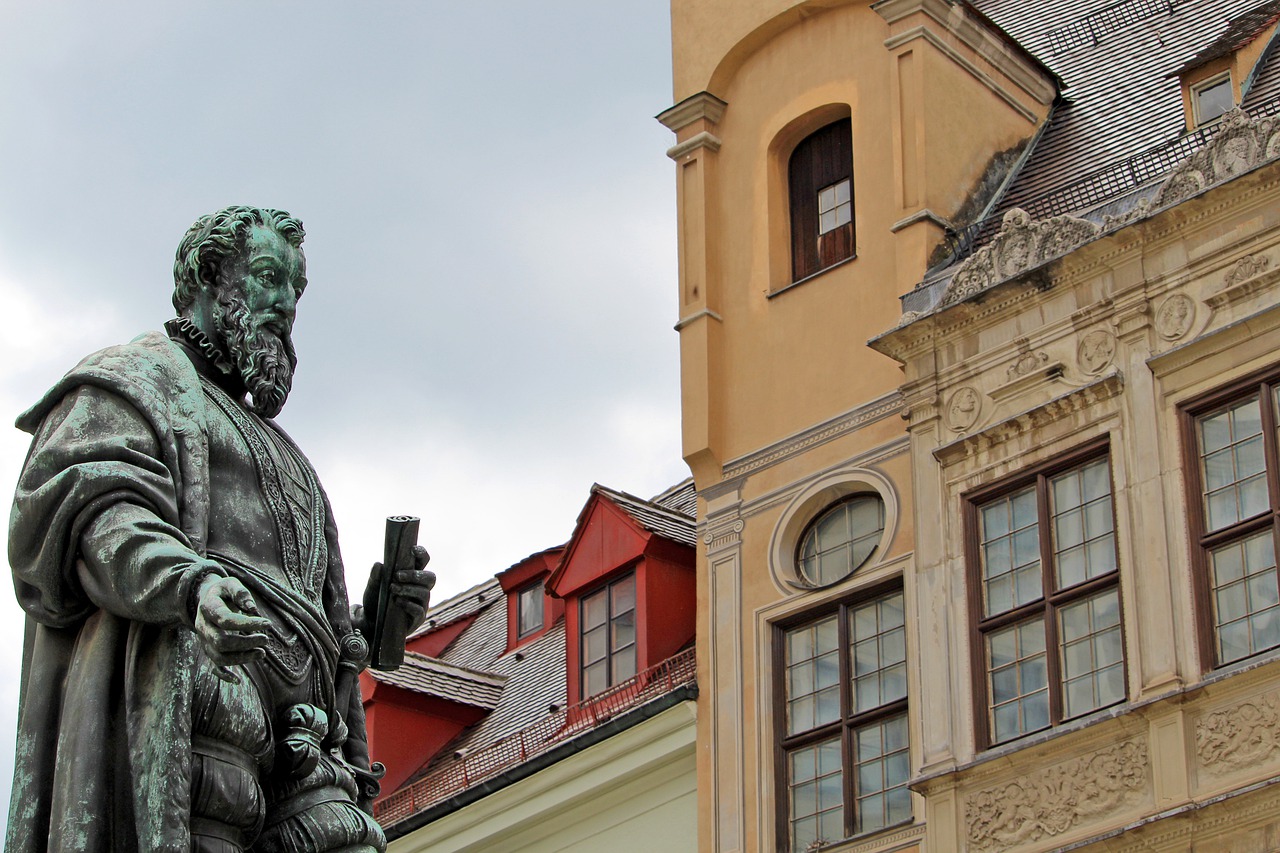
822,159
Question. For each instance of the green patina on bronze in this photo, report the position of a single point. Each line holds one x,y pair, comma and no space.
190,656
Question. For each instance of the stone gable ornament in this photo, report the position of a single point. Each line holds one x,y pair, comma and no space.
1022,244
189,670
1240,144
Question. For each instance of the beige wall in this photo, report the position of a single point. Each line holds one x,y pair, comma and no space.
785,406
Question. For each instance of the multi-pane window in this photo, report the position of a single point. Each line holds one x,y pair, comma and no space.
1046,598
529,603
820,186
609,636
835,206
1234,487
843,751
841,539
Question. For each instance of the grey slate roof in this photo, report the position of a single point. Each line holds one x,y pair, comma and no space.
681,497
532,677
662,520
1240,30
433,677
1119,98
460,606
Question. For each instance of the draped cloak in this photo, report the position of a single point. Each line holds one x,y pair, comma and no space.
104,730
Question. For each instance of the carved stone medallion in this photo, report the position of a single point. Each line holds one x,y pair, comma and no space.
1174,316
963,408
1095,352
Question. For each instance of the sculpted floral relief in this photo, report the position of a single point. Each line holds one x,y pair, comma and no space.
1247,734
1053,801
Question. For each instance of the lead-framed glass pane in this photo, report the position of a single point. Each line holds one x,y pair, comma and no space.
816,792
1233,466
609,649
843,690
529,603
841,539
1048,621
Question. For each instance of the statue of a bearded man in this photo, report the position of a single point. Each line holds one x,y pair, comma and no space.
190,658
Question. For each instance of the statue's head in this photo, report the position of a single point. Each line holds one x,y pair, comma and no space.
238,276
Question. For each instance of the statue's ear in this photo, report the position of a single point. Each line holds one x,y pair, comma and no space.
208,275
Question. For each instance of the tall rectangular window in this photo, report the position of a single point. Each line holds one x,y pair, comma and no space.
843,751
1234,485
1045,597
820,188
608,635
529,603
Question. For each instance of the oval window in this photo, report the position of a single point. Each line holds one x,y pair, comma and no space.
841,539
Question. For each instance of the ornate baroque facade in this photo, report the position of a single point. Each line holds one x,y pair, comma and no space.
989,503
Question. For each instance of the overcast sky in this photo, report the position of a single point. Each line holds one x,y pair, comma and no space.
490,245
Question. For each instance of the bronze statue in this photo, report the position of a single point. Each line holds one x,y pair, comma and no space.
190,655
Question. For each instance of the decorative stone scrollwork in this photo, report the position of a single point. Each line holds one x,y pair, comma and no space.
1111,222
1247,734
1240,144
1022,244
1096,351
1246,268
1026,362
1053,801
722,534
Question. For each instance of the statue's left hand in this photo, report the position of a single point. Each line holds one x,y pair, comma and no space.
410,590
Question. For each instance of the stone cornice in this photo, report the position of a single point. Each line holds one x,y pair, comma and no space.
705,139
703,105
1086,396
698,315
877,409
922,215
1032,78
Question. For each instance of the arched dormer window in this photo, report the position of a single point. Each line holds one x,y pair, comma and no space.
820,186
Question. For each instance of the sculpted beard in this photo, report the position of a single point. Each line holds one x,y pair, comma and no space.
265,360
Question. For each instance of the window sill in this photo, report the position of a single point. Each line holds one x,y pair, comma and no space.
889,837
780,290
1045,736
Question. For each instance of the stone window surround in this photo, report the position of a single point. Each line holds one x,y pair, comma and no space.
1262,382
1049,603
811,502
839,606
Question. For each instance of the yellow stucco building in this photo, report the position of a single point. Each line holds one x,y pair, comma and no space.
980,344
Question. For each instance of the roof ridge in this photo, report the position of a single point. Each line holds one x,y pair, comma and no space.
438,665
627,496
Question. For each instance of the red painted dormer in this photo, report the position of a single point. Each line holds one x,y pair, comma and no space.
629,590
530,609
412,712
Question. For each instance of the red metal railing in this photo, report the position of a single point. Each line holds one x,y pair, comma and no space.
555,728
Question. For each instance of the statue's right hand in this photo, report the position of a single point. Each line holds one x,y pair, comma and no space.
229,625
